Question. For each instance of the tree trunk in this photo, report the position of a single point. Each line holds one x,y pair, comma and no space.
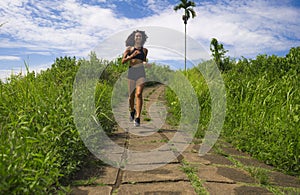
185,48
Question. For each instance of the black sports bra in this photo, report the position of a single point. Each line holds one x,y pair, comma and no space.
140,56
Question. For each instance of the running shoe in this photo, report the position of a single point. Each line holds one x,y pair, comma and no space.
137,122
132,113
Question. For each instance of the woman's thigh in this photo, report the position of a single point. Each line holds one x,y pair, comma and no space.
140,85
131,87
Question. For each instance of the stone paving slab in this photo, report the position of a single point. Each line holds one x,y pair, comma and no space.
145,129
141,143
220,188
251,190
217,159
104,174
157,156
118,137
142,167
163,188
252,162
236,189
169,133
157,146
281,179
193,148
108,177
91,190
235,174
194,158
169,172
153,135
210,174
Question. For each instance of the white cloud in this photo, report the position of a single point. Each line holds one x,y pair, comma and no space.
5,74
73,28
248,27
158,6
13,58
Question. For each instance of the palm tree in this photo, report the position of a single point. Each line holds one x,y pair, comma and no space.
188,11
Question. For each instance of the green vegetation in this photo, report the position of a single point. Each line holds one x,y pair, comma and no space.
41,148
191,173
218,52
263,107
39,143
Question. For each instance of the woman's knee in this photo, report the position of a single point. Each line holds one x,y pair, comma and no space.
139,94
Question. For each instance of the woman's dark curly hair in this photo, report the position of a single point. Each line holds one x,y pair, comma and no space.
130,40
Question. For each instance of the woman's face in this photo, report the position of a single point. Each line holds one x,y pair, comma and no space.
138,38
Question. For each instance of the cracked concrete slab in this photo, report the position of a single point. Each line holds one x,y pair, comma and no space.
242,190
281,179
91,190
194,158
217,159
154,156
108,177
210,174
169,172
235,174
220,188
163,188
252,162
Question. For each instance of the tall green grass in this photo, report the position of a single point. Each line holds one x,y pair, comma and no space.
40,145
263,108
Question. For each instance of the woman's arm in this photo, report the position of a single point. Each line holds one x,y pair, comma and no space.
125,57
145,52
145,60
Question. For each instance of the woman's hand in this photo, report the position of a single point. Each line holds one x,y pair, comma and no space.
135,53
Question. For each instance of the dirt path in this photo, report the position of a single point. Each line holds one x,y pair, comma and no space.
224,170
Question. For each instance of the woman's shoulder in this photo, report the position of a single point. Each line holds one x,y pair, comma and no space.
129,48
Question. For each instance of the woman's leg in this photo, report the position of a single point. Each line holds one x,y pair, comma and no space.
131,87
139,96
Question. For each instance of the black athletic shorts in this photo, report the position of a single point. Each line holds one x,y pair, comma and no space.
134,73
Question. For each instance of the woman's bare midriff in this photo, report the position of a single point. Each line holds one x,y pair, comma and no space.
135,62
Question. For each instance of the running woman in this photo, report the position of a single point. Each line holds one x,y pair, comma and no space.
136,54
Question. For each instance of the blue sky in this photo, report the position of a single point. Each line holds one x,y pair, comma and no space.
36,32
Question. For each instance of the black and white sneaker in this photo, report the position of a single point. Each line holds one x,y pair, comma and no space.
131,117
137,122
